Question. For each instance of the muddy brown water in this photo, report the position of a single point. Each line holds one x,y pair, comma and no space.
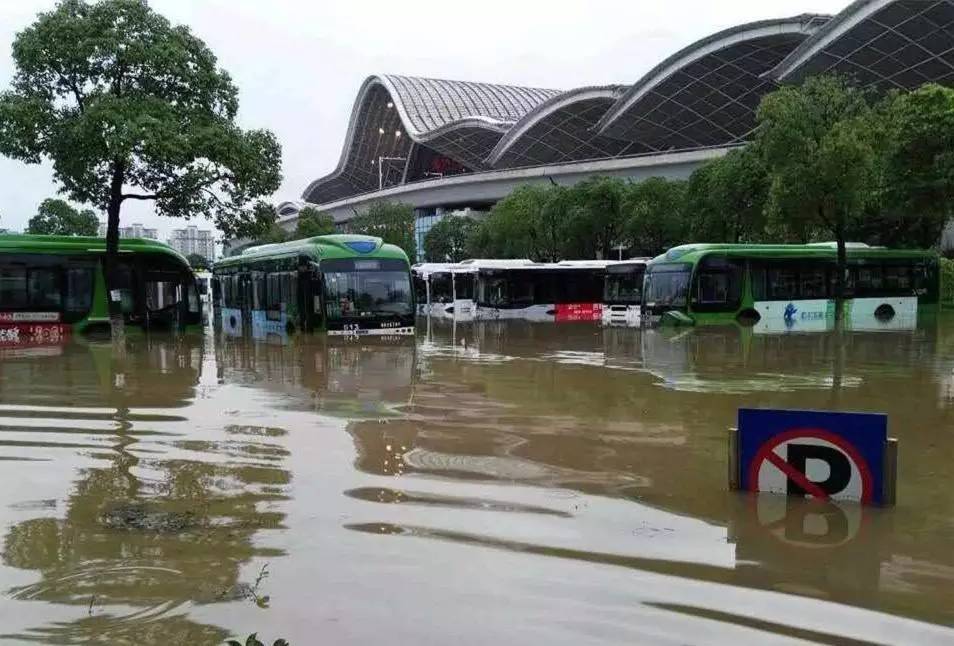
479,484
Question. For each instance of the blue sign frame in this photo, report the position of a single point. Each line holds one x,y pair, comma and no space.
865,433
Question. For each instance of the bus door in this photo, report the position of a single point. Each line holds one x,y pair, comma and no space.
310,301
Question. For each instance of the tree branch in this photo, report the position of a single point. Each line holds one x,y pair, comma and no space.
141,196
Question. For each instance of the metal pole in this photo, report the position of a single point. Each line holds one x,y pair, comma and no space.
380,173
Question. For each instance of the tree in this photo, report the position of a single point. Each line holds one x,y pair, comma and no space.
392,222
819,153
655,219
56,217
128,107
197,262
449,239
596,218
312,222
725,199
918,196
528,223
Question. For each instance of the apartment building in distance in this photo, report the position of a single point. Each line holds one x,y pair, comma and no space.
136,230
193,240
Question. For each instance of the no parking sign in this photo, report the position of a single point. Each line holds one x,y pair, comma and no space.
820,455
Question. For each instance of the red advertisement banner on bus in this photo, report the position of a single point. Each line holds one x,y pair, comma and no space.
579,311
21,335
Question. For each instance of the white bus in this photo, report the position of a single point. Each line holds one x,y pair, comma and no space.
623,292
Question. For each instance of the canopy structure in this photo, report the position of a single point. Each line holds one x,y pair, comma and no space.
406,129
888,44
561,130
707,94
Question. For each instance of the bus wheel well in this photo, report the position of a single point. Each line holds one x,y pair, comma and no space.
884,312
748,317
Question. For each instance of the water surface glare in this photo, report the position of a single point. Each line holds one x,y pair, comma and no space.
505,483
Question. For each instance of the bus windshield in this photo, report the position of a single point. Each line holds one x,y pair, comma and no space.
624,286
667,285
366,288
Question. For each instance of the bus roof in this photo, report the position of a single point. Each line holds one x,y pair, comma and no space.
319,248
693,252
41,244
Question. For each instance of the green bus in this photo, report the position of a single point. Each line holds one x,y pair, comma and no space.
789,288
53,286
342,284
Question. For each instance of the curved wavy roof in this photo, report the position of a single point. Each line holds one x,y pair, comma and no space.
706,94
883,43
561,129
458,119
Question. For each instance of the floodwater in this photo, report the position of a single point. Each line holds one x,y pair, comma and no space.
479,484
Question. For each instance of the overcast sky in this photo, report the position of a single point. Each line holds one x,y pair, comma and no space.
298,64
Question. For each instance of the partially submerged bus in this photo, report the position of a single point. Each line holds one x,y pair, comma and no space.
623,292
570,290
52,286
342,284
445,290
789,288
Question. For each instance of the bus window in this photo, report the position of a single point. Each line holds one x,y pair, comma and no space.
13,286
441,288
667,285
492,289
782,283
43,285
897,280
624,286
258,290
79,289
718,285
813,282
464,286
869,281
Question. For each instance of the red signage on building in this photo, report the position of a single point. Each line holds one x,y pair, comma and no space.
579,311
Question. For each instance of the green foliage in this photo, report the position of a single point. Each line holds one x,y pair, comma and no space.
127,106
820,157
312,222
597,217
392,222
725,199
655,215
56,217
252,640
947,282
449,239
197,262
918,163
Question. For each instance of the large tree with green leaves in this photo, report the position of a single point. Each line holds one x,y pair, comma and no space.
127,107
595,218
390,221
725,199
312,222
57,217
449,239
655,216
918,180
821,157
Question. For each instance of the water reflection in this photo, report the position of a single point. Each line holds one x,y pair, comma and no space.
157,520
488,472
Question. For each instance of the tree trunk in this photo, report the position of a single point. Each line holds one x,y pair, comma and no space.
111,261
841,271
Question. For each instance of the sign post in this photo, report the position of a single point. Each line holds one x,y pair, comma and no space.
819,455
